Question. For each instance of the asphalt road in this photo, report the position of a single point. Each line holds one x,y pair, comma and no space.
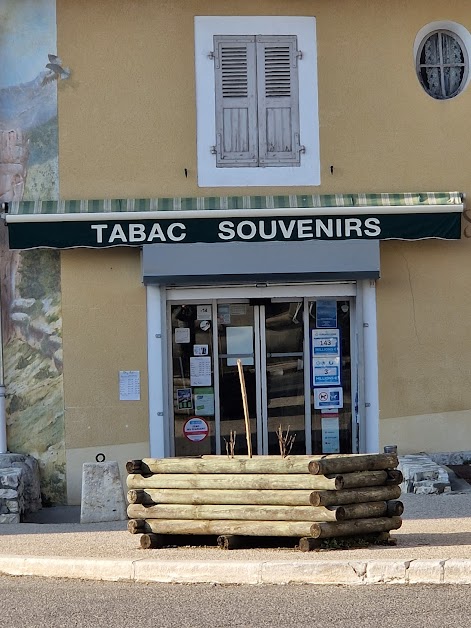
33,602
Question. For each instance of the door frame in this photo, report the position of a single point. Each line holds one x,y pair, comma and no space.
362,296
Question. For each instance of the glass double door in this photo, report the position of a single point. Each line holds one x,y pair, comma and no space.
297,373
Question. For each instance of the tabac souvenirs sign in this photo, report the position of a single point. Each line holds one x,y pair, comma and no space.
29,228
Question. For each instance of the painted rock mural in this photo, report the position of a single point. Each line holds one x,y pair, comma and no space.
30,288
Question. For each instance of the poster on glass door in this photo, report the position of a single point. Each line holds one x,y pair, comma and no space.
326,342
326,371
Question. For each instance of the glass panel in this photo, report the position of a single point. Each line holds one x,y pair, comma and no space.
236,339
331,426
193,385
285,374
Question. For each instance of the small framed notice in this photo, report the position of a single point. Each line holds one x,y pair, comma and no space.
129,386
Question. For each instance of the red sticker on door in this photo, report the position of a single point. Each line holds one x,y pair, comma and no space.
195,429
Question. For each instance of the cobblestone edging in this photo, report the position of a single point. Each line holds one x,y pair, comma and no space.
452,571
422,475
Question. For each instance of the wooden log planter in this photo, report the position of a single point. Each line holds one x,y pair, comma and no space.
310,497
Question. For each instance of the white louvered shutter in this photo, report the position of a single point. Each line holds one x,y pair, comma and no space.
236,101
278,100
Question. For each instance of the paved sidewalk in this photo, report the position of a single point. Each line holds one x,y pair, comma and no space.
434,546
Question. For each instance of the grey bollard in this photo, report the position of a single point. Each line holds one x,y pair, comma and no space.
102,493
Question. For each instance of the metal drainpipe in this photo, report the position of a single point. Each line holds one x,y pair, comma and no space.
3,418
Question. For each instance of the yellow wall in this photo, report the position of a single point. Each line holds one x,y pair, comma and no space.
104,331
128,129
127,114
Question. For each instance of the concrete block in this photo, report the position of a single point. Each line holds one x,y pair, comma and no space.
181,571
386,571
58,567
314,572
425,572
457,571
102,493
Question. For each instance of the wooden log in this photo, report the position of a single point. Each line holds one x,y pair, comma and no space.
263,464
136,526
134,466
324,530
354,495
359,479
250,481
394,508
230,541
243,528
308,544
223,464
249,513
362,511
260,482
346,464
214,496
394,477
153,541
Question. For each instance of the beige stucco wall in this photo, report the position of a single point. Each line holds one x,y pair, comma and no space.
128,129
104,332
127,114
424,343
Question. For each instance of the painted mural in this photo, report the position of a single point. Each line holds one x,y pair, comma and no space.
30,280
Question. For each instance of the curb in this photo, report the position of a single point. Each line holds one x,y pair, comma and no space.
359,572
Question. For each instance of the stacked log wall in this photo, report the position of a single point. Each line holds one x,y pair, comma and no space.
307,496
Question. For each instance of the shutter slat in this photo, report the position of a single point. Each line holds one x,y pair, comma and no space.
278,100
236,110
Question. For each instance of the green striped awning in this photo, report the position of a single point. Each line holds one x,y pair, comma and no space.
231,203
135,222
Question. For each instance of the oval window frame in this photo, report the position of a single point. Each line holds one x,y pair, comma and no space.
462,35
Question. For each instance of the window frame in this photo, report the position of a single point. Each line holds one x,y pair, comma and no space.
462,35
209,175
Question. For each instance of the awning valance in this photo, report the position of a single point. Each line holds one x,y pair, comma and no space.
134,222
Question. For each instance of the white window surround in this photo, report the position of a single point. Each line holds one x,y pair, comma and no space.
308,173
453,27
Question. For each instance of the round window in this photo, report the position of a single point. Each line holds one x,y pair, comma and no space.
442,64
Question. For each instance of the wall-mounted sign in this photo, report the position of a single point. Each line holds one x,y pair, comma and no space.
326,371
326,314
328,398
195,429
128,232
326,342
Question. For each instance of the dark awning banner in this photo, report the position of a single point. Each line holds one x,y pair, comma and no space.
105,223
101,232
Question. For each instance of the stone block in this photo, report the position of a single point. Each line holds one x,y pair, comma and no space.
102,493
10,518
11,479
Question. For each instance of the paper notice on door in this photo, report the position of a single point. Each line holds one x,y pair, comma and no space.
239,345
330,434
200,371
204,401
182,335
129,386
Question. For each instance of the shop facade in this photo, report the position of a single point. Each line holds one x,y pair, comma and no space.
160,225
